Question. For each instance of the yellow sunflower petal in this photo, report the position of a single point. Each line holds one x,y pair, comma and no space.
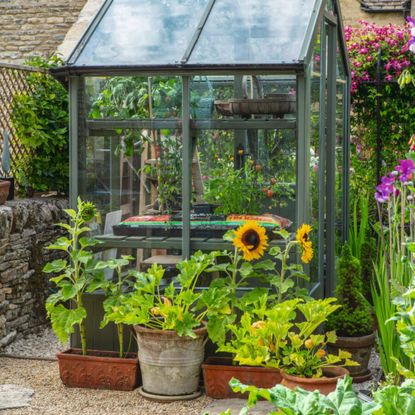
251,239
302,234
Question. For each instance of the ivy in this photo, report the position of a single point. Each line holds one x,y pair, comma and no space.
41,121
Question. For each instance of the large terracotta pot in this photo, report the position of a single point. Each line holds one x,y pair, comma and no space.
4,191
98,370
170,364
360,348
218,371
325,384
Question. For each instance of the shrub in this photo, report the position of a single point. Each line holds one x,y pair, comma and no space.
397,109
354,318
41,122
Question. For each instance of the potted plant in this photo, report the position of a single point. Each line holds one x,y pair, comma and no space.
225,306
306,363
353,322
170,330
78,274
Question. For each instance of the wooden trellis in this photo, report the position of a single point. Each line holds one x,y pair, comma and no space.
13,81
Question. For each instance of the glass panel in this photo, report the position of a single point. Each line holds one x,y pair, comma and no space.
134,97
317,165
139,173
340,120
143,32
248,172
265,96
330,7
251,31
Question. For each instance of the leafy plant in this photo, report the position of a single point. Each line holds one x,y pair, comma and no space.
237,269
41,119
77,274
304,354
114,292
343,401
175,309
396,400
354,318
360,226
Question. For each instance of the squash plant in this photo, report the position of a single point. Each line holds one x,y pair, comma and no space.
77,274
175,308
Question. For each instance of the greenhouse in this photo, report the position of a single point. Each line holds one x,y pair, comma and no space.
207,114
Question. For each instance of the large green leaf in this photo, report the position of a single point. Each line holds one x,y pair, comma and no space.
55,266
64,319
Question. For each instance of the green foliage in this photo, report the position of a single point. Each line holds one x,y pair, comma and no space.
77,274
245,190
225,305
354,318
396,400
41,119
343,401
304,354
175,309
114,292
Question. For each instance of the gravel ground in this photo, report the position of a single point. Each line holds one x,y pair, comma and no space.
52,398
43,344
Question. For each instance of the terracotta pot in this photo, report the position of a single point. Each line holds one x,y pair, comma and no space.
4,191
98,370
170,364
325,384
218,371
360,348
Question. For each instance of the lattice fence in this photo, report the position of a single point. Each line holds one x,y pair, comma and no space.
13,81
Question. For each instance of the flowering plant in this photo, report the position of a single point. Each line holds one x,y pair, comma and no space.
175,308
396,228
245,262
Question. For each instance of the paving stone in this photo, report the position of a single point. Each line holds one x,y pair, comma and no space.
235,405
15,396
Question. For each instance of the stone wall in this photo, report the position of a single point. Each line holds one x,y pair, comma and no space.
34,27
352,13
27,227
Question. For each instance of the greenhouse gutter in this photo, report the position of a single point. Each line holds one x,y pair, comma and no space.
177,70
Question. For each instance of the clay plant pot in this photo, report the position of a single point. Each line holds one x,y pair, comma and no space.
98,370
4,191
325,384
360,348
218,371
170,364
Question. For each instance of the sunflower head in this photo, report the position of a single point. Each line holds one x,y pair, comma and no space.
251,239
306,245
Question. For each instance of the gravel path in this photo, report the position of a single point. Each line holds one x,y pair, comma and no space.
43,344
52,398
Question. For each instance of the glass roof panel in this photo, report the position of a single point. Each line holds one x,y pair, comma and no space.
253,32
143,32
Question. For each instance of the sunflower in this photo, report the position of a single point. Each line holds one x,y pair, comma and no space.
251,239
306,245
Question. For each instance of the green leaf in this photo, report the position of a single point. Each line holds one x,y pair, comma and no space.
64,319
55,266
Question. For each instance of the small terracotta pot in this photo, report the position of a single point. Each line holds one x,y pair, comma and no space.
4,191
218,371
325,384
360,348
98,370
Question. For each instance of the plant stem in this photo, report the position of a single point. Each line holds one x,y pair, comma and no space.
82,330
120,330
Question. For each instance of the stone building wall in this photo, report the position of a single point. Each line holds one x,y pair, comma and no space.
27,227
352,13
34,27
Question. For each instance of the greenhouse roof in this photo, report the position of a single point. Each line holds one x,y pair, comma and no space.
155,34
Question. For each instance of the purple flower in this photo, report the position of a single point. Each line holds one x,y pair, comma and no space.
405,170
385,188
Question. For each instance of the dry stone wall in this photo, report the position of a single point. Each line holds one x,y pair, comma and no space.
34,27
27,227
